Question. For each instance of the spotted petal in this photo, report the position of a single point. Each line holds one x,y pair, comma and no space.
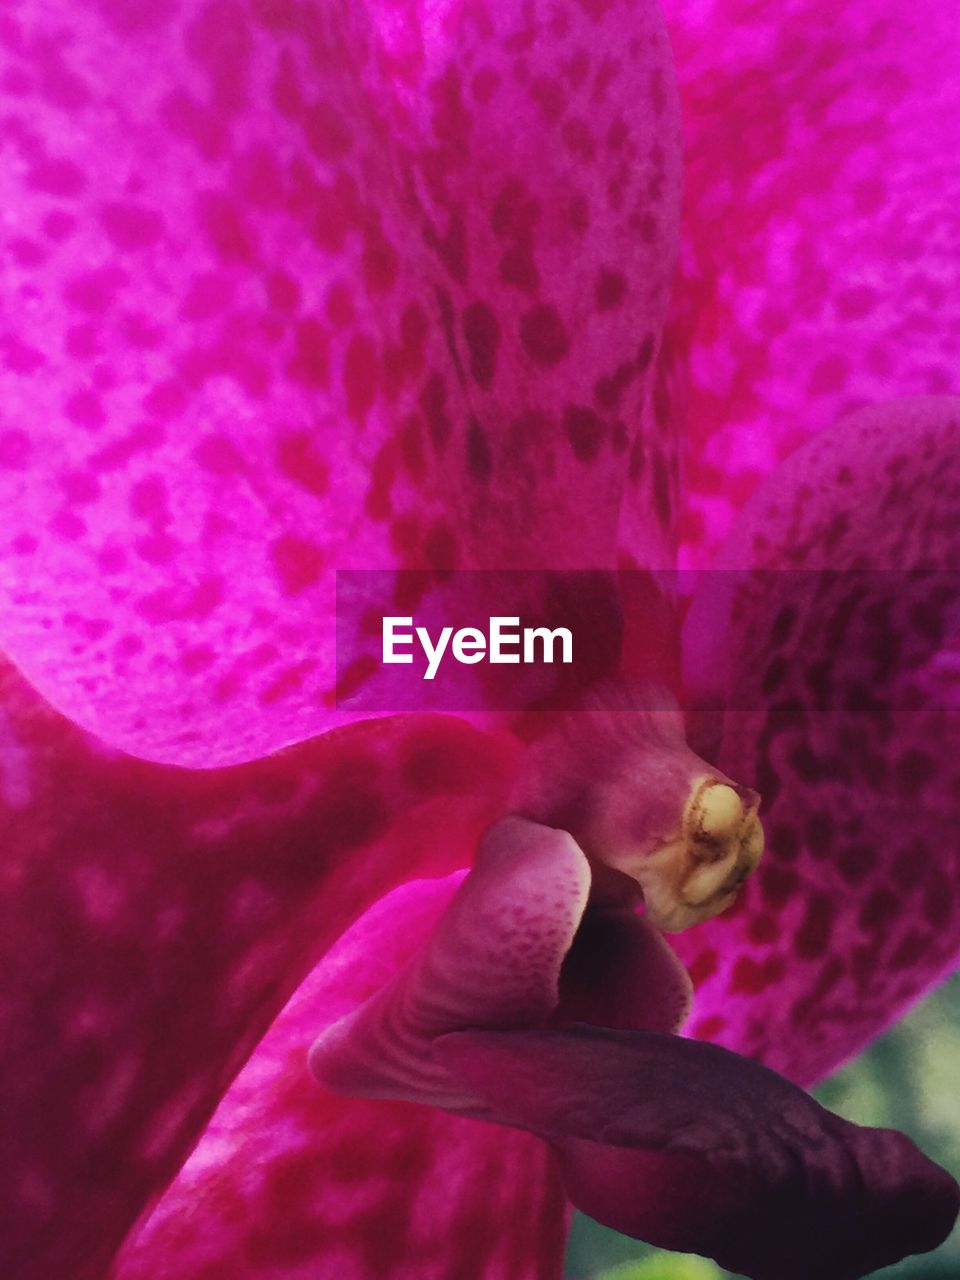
831,632
303,287
819,265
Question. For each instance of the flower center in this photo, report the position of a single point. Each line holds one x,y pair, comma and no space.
651,816
698,874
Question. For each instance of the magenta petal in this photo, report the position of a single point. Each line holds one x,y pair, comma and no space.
819,264
693,1148
293,1182
296,288
153,921
836,655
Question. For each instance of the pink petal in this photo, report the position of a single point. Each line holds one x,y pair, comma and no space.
290,1179
297,288
838,664
819,268
153,921
694,1148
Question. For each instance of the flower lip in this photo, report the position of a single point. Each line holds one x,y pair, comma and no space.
535,1007
521,945
691,1147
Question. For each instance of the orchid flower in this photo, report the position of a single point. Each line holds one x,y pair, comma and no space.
300,286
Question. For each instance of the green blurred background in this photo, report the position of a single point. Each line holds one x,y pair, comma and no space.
907,1080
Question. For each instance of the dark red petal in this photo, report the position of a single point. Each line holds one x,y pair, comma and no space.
297,287
837,656
153,921
693,1148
